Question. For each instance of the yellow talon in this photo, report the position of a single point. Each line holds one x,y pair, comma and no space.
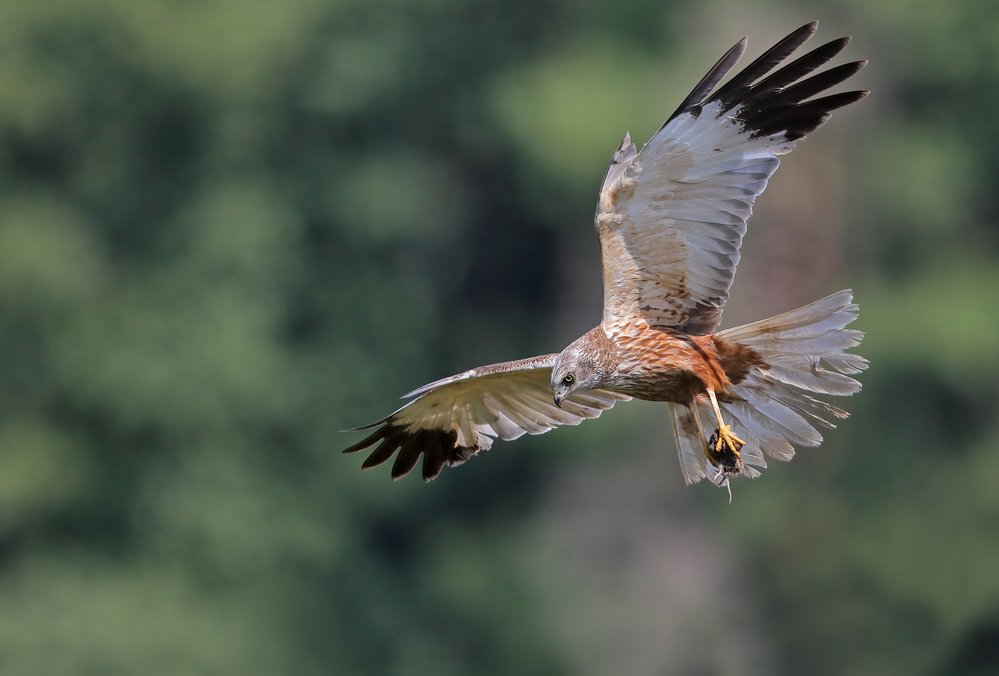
723,446
724,436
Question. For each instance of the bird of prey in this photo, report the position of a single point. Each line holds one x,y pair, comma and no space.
670,220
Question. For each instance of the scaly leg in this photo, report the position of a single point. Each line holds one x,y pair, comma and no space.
723,441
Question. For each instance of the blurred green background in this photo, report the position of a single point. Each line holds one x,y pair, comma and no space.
229,230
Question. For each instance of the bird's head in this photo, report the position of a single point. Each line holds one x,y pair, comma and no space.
575,369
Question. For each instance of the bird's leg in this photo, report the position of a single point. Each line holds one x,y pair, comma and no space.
725,465
721,475
723,446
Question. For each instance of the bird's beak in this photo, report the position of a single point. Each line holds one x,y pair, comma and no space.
558,400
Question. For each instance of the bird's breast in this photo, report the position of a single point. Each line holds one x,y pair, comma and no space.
664,365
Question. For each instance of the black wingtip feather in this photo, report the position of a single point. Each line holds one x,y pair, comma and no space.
802,66
816,84
433,457
460,455
731,91
382,453
797,120
368,426
711,78
438,448
770,103
366,441
409,455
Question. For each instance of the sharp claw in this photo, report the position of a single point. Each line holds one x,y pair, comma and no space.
722,449
723,452
724,441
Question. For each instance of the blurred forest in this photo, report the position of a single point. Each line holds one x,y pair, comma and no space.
229,230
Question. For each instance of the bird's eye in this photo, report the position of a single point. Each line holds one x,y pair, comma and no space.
568,379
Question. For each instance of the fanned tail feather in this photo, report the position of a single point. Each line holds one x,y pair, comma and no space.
774,408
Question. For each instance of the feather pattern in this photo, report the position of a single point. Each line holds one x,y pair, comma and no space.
773,408
671,218
452,419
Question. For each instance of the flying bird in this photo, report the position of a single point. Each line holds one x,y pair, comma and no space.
670,220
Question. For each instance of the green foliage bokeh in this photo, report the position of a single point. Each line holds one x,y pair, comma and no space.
229,230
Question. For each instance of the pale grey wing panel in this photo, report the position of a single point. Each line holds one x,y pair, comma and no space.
454,418
671,241
672,218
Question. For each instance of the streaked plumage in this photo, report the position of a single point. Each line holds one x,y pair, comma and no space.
670,220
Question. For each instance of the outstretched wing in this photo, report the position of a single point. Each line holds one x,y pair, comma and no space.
453,419
671,218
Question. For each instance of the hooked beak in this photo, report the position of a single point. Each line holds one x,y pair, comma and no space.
558,399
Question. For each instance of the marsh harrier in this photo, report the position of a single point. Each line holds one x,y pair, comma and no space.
671,219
